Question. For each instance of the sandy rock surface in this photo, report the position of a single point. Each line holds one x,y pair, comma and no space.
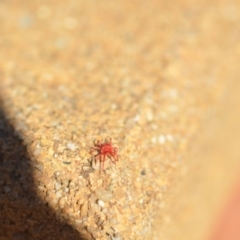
146,74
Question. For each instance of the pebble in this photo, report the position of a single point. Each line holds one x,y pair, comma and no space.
40,167
37,152
149,115
61,201
78,221
104,194
58,194
72,185
137,118
84,209
71,146
154,139
161,139
169,137
101,203
57,186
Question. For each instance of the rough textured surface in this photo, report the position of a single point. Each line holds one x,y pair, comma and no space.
147,74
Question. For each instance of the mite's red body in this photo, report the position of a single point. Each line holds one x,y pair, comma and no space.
105,150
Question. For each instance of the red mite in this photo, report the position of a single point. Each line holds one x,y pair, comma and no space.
105,150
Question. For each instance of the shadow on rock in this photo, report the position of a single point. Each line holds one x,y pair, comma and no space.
23,215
